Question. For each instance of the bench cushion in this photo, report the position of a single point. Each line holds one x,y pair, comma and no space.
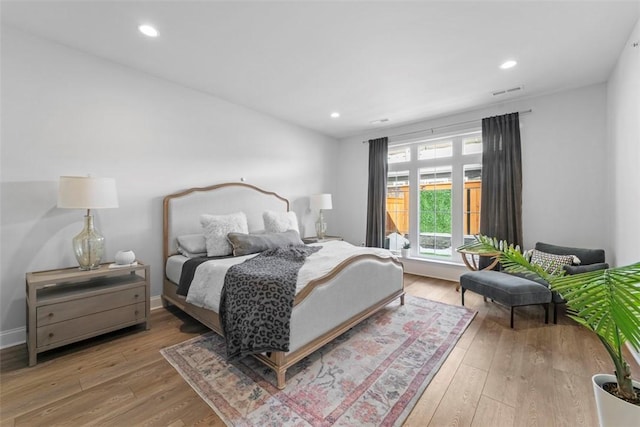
505,288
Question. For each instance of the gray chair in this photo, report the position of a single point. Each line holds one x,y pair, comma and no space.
515,290
590,260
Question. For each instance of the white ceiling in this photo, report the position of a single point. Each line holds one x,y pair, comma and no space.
300,61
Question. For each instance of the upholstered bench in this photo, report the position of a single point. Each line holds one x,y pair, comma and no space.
506,289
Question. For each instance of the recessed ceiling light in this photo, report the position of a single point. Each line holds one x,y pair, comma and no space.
508,64
148,30
335,115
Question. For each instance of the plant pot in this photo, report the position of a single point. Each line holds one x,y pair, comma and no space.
405,252
613,411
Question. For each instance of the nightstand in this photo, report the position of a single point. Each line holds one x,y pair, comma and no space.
314,239
68,305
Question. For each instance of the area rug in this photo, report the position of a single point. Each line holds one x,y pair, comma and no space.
371,375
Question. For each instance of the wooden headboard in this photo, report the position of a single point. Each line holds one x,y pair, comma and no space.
182,210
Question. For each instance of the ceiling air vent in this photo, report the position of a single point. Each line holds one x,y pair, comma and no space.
508,91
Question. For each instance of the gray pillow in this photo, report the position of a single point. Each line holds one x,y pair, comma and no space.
245,244
192,243
577,269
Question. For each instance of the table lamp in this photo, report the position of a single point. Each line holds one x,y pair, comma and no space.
321,202
81,192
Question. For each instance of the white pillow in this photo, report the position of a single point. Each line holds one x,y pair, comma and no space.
279,222
216,228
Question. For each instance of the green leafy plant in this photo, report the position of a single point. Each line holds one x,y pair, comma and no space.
435,211
606,302
407,245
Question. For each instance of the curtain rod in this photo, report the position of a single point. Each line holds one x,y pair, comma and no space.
445,126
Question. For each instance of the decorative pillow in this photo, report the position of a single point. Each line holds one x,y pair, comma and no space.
278,222
577,269
245,244
192,243
216,228
188,254
551,263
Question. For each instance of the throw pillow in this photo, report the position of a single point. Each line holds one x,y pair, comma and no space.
216,228
278,222
192,243
551,263
188,254
245,244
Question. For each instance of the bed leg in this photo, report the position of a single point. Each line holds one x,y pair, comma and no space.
281,372
165,303
281,376
402,299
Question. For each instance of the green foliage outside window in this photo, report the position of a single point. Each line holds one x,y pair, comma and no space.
435,211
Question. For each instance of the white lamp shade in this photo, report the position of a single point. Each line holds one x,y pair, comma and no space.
82,192
321,201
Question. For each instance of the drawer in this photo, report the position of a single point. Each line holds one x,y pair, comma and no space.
90,325
60,312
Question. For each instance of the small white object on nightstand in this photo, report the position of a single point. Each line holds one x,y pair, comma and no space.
125,257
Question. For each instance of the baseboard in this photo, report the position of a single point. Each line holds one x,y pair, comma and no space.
155,302
432,268
13,337
18,336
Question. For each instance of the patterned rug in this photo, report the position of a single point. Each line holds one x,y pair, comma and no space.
370,376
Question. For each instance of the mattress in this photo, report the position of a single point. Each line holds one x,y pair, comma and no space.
175,262
174,268
207,284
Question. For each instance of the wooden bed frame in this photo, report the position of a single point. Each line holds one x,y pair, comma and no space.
248,198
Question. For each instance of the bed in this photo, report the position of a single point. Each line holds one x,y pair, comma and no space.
323,309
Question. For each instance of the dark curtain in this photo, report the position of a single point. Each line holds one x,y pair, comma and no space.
501,204
377,194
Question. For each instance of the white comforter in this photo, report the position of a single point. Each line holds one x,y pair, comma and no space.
209,276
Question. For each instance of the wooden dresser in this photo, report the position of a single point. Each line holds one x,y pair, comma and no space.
69,305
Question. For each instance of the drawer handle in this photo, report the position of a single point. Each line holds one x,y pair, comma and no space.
50,334
136,312
135,296
50,314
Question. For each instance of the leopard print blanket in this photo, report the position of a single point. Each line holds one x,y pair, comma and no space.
257,300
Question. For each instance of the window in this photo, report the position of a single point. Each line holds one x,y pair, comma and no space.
472,145
435,150
398,154
435,210
397,222
434,193
471,201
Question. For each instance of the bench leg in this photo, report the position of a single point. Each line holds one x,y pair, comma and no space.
511,317
546,313
555,313
462,295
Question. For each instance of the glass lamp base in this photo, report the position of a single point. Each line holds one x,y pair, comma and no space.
321,227
88,246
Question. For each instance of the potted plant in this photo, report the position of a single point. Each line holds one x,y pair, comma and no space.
606,302
405,250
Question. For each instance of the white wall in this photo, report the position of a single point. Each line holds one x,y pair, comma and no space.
68,113
623,112
564,172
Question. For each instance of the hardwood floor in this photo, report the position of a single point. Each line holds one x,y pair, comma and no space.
536,374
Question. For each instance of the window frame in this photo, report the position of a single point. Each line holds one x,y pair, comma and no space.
457,161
